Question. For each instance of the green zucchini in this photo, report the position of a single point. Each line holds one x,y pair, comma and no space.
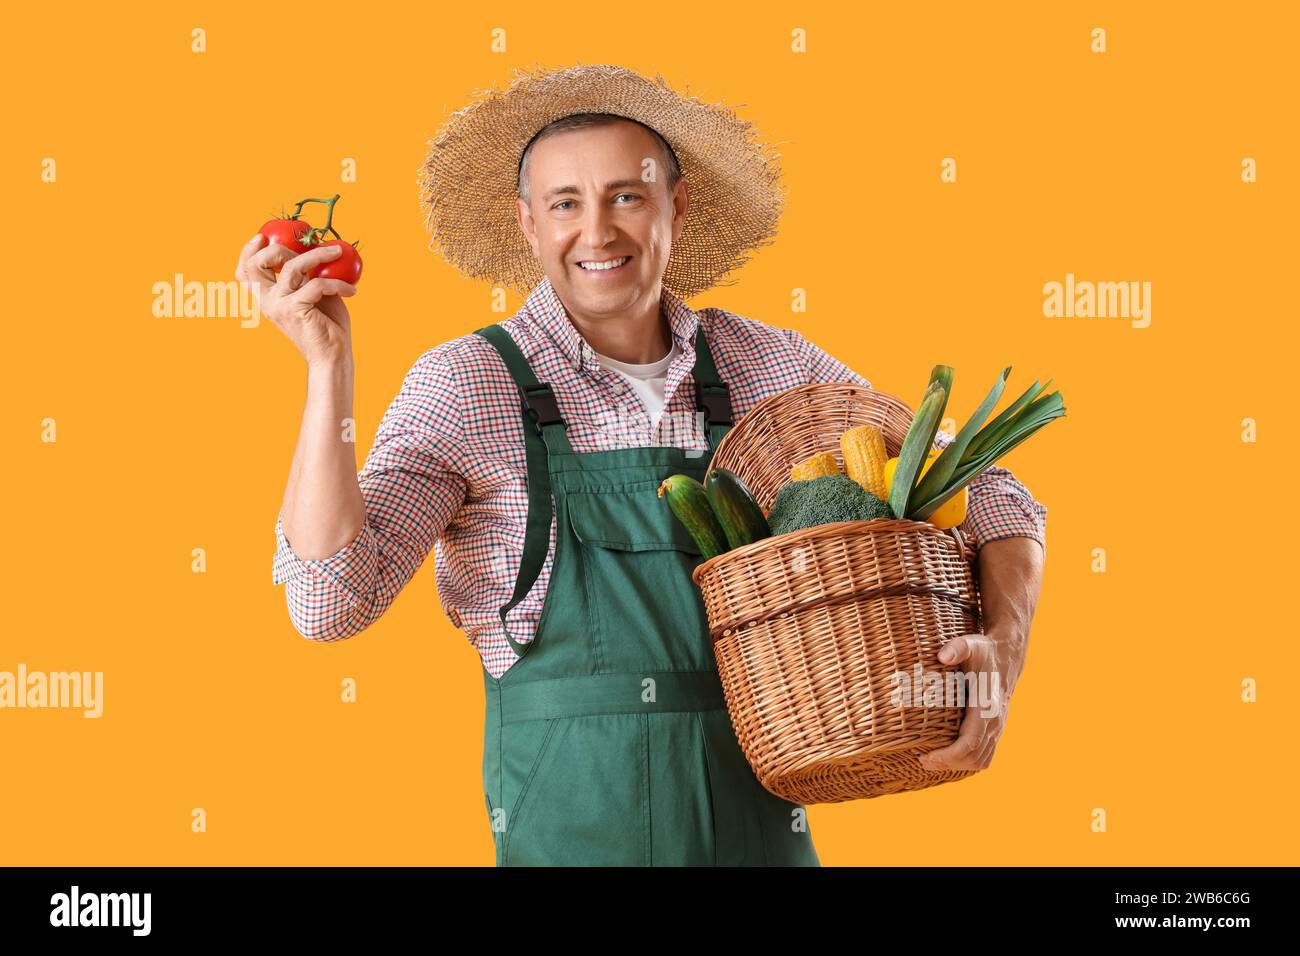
689,502
739,514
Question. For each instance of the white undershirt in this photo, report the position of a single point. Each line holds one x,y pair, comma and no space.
646,380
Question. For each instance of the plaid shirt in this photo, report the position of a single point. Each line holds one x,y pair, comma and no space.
448,465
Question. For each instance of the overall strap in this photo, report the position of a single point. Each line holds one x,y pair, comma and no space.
543,430
712,396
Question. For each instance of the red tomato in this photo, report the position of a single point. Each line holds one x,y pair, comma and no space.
286,232
346,266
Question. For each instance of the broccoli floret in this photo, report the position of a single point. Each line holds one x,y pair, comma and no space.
802,504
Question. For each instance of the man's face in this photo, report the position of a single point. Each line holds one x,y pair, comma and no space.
589,203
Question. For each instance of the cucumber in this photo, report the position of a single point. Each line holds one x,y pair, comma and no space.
739,514
689,502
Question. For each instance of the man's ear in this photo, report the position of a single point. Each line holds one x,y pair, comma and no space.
681,203
524,216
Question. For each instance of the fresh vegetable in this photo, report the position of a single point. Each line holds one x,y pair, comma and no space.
948,515
802,504
298,236
690,503
920,439
1030,412
931,484
922,483
286,232
822,463
863,448
347,266
740,516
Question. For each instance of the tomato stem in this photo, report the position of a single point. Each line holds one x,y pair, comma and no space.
316,236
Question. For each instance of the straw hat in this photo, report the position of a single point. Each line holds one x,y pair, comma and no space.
469,178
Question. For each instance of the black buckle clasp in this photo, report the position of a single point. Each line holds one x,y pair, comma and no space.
541,406
715,402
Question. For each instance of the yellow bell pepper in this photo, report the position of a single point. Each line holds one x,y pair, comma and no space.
949,514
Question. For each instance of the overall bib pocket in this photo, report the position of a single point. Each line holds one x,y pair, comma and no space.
636,558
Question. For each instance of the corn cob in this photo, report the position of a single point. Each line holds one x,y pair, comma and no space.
822,463
863,448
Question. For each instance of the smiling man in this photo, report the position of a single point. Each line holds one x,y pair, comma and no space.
602,233
529,453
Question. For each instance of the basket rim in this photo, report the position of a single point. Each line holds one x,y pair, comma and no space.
757,410
829,529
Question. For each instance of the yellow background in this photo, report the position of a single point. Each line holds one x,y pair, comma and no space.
177,433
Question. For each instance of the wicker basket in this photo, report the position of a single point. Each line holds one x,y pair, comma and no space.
809,627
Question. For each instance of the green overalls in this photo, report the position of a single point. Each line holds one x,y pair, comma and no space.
608,743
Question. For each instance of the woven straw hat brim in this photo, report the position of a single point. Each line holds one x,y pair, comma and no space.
469,177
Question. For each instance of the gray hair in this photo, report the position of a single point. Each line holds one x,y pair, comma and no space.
583,121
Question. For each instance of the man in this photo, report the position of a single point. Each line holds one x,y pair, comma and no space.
531,450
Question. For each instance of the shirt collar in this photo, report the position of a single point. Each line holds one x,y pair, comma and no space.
547,312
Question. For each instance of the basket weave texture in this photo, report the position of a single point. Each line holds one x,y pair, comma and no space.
809,627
